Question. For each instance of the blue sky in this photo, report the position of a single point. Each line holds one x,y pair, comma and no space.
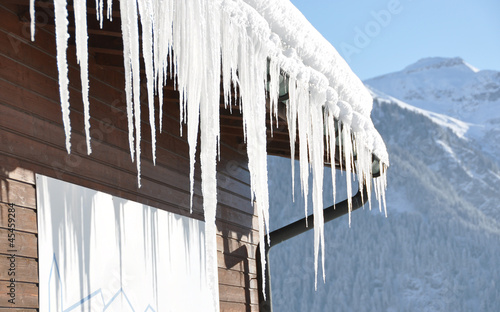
381,36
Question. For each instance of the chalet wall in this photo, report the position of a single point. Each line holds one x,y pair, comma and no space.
32,141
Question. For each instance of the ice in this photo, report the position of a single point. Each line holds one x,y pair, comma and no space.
162,47
33,21
304,129
99,6
81,37
331,112
252,73
125,25
130,30
209,126
147,23
347,148
110,10
61,22
380,187
317,161
136,82
274,90
291,118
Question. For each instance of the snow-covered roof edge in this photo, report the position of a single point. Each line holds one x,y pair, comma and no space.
252,42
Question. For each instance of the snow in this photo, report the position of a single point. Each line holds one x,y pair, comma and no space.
460,128
440,63
254,45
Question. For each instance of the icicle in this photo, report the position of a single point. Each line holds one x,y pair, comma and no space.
128,10
332,146
304,123
363,166
209,124
110,10
81,38
99,6
291,118
190,55
339,139
273,83
136,80
61,21
229,55
252,69
33,19
147,23
163,17
380,185
346,141
332,112
126,24
316,147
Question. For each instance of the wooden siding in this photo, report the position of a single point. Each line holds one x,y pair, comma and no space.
32,141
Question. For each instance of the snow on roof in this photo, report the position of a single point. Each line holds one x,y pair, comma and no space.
249,43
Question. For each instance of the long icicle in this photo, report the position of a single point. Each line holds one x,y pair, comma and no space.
126,24
33,19
147,23
209,124
291,118
81,38
136,80
62,36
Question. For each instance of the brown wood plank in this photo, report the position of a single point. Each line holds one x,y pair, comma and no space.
237,294
25,270
238,307
24,218
18,193
237,278
25,244
26,295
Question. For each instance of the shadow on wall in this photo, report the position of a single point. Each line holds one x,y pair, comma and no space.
235,257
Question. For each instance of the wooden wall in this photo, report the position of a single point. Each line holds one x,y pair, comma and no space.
32,141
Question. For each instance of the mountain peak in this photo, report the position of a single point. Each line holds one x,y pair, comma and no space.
430,63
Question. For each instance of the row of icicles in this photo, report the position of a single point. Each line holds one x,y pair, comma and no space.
209,43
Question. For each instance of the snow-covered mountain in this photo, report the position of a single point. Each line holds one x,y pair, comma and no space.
439,247
454,88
